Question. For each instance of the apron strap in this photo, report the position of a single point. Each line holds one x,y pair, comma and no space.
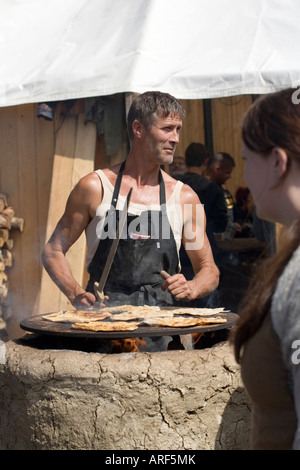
162,192
117,186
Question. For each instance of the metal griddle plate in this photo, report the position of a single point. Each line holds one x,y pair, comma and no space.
37,324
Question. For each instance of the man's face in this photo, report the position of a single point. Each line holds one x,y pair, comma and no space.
161,139
223,173
178,167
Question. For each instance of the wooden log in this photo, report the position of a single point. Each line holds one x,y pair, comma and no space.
7,258
8,244
4,234
9,212
3,291
3,201
5,222
3,277
3,284
17,223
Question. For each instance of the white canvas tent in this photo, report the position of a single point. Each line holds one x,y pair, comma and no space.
193,49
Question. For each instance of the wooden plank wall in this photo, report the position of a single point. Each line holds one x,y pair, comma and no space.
26,152
227,114
193,125
41,160
73,158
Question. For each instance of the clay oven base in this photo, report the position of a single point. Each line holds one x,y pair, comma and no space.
66,399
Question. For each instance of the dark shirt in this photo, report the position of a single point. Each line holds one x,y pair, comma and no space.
212,197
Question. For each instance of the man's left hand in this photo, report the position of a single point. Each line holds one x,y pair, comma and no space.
179,287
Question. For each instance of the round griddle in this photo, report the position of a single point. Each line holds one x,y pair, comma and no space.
37,324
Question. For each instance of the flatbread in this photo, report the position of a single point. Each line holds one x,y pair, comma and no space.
76,316
106,326
130,308
129,317
140,314
144,312
182,322
197,311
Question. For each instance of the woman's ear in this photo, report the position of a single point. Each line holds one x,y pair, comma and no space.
279,163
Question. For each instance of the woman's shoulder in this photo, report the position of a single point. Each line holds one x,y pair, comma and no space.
285,304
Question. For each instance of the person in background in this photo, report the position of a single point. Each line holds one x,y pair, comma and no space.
266,337
210,195
177,167
243,212
264,231
219,170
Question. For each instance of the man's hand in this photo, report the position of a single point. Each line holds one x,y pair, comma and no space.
87,300
178,286
83,301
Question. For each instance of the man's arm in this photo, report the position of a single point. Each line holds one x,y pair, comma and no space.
75,219
198,249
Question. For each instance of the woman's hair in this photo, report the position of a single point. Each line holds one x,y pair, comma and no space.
151,105
241,195
272,121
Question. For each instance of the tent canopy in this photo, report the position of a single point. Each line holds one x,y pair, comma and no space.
58,50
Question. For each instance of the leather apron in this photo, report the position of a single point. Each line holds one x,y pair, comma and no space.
147,247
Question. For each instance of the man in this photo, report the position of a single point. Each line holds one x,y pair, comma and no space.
209,193
177,167
219,170
162,211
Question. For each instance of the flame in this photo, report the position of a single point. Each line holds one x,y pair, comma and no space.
128,345
138,344
196,337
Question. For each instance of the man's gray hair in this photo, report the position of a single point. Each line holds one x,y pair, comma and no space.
150,106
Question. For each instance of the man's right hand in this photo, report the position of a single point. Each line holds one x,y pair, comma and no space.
87,300
84,301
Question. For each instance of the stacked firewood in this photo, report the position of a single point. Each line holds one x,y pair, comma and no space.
8,222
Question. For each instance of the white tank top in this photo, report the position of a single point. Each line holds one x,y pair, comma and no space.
94,229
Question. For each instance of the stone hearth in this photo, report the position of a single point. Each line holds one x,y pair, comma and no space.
62,399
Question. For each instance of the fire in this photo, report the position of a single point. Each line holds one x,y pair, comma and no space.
196,337
128,345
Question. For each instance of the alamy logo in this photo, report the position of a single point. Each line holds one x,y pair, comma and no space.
296,354
140,227
296,94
